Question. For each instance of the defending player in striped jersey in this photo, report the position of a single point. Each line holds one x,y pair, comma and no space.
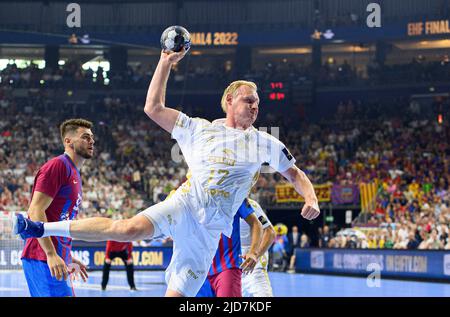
57,195
225,275
225,278
223,157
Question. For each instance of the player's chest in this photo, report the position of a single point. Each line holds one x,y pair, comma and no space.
72,188
242,148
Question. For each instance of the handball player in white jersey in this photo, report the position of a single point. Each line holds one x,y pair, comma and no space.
223,157
257,283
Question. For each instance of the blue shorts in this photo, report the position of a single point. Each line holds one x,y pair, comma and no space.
41,283
206,290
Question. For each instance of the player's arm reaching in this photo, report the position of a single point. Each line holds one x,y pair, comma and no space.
156,96
282,161
39,203
269,233
251,257
268,237
304,187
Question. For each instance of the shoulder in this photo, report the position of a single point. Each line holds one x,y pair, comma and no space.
55,163
57,160
186,122
269,138
201,121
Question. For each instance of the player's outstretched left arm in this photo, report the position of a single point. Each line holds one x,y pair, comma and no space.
156,96
251,257
305,188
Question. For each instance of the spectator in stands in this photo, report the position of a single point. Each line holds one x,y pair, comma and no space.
332,243
372,242
279,254
432,243
294,241
352,242
443,233
390,240
361,243
325,237
304,241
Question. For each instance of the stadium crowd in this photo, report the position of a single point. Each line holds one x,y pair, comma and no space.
408,153
132,165
330,73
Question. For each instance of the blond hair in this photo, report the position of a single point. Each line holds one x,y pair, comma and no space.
232,89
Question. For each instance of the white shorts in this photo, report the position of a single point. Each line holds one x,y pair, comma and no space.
194,246
257,283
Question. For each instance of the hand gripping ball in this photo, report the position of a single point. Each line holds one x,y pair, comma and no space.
174,38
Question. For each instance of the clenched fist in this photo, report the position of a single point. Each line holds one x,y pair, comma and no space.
310,211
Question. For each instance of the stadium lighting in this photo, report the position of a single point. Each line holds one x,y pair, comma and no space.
328,34
94,64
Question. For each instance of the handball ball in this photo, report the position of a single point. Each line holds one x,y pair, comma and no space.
174,38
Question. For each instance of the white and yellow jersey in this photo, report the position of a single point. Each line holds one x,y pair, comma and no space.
224,164
246,238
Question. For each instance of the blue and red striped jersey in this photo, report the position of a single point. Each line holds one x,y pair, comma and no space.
60,179
229,249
